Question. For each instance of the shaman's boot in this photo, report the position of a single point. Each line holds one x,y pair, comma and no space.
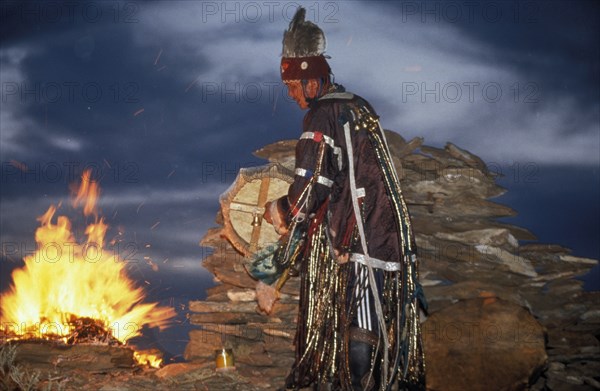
361,357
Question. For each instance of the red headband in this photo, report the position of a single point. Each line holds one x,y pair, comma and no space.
304,68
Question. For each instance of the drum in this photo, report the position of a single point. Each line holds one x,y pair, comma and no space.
243,206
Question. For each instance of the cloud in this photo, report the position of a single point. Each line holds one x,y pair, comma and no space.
190,64
494,109
435,79
11,78
114,199
200,193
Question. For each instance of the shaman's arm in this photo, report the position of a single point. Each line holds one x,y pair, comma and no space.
318,161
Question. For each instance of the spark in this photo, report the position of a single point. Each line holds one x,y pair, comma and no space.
275,103
140,111
152,265
192,84
19,166
139,207
158,57
170,174
155,225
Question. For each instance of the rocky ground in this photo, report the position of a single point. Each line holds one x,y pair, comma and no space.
503,315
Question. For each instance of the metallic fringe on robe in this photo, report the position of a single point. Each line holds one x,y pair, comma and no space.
322,337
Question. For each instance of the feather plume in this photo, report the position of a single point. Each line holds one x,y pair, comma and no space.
303,38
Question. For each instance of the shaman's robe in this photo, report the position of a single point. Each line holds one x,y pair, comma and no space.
359,268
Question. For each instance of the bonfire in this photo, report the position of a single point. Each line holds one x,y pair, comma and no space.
76,290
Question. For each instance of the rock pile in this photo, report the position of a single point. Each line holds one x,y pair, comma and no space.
500,312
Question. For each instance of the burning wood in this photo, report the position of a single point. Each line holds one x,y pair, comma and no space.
88,330
75,290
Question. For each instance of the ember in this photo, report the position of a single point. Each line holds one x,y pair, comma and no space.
76,290
88,330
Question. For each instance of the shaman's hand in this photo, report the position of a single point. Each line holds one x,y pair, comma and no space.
340,257
272,216
266,295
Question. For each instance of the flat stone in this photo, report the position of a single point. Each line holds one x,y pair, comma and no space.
208,306
572,259
591,382
425,282
48,355
556,367
515,263
472,290
242,296
455,181
400,150
472,206
177,369
544,248
555,276
466,156
425,222
591,315
230,318
565,287
497,237
563,342
278,152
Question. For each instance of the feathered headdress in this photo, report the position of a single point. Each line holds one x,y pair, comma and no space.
303,48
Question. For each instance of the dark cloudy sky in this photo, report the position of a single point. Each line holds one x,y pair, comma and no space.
166,100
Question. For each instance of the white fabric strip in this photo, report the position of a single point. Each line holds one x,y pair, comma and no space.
363,242
363,306
301,172
311,136
320,179
324,181
338,152
365,300
376,263
359,311
329,141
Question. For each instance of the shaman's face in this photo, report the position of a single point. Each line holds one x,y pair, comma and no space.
295,91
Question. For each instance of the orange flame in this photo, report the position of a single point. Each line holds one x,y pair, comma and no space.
65,279
150,359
